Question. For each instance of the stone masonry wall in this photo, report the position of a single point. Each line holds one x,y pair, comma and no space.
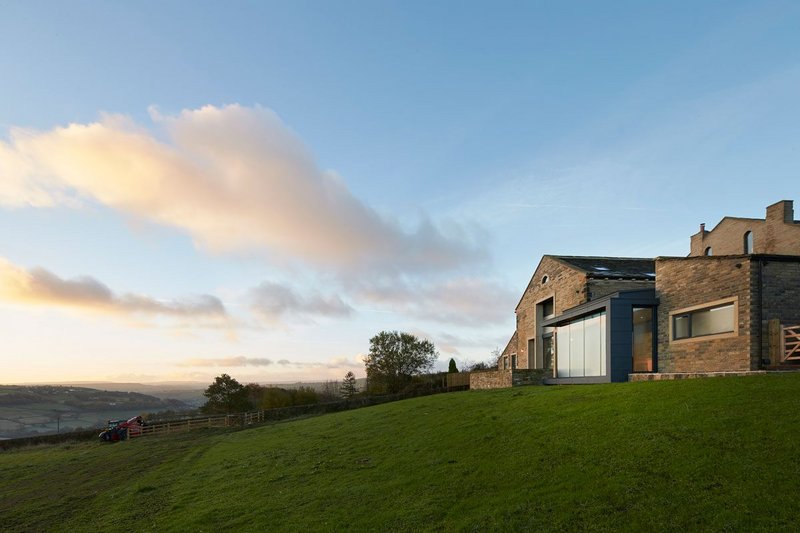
497,379
776,234
603,287
691,281
780,298
505,378
565,285
527,377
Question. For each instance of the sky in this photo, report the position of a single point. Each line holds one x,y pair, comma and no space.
258,188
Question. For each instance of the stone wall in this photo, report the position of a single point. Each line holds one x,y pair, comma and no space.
501,379
567,287
497,379
780,297
778,233
693,375
603,287
527,376
694,281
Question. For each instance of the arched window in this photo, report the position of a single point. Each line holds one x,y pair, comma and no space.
708,251
748,242
545,279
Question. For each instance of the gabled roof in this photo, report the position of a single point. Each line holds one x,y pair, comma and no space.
611,267
512,342
622,268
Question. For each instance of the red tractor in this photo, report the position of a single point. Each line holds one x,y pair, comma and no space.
118,430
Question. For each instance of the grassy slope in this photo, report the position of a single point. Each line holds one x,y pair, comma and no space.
701,454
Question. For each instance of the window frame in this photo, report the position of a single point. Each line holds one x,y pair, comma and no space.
688,311
543,303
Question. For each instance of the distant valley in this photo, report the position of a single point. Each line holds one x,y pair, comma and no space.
27,410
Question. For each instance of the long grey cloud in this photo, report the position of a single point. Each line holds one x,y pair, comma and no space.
273,301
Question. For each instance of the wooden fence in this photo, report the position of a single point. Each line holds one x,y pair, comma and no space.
454,382
176,426
458,381
784,342
450,383
791,343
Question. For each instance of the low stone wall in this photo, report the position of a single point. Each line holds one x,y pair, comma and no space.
497,379
500,379
527,377
666,376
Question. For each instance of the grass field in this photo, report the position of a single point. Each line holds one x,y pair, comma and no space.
715,454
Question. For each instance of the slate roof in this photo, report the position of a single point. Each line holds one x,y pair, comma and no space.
612,267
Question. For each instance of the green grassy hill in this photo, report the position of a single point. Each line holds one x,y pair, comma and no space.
715,454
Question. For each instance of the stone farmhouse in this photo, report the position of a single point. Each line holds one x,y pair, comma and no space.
731,305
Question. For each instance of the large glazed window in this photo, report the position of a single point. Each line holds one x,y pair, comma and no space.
642,339
702,322
581,347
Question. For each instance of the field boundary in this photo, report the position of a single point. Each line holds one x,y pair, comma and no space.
236,420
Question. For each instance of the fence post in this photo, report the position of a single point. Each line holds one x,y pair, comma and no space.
775,335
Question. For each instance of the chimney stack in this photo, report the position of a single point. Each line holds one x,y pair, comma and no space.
703,227
782,211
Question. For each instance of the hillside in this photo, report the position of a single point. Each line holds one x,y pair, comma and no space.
688,455
42,409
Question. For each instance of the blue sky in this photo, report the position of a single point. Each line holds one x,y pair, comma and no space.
258,188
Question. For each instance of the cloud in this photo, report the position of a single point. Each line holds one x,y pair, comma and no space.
464,301
452,345
240,361
234,178
229,362
273,301
38,286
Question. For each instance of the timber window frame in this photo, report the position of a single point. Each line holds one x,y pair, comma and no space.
689,324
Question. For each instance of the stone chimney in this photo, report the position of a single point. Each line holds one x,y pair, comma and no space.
782,211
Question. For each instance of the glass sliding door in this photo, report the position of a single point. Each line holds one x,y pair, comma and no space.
576,349
562,351
642,339
581,347
593,347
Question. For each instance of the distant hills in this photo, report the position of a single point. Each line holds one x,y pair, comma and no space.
42,409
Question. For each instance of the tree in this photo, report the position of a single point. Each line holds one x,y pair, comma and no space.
330,391
348,388
226,395
453,369
394,357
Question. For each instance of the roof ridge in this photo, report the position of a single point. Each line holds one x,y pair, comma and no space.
603,257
